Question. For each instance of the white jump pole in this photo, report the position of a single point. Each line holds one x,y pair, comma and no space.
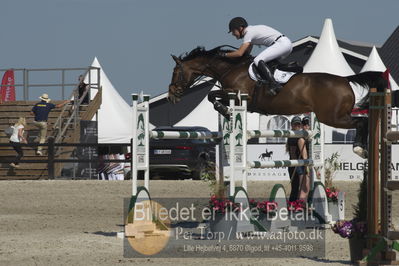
232,144
134,144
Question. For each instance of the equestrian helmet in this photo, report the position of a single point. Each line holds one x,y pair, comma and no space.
296,120
237,22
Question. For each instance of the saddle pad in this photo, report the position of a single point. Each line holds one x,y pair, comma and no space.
279,75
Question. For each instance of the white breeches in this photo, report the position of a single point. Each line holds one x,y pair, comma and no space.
280,49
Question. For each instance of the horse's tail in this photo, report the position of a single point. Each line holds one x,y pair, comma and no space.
371,79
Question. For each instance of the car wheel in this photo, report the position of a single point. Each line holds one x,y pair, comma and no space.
205,170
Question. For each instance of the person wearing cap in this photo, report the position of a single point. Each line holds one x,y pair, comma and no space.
41,110
277,46
296,147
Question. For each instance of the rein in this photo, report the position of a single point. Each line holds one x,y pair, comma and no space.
183,83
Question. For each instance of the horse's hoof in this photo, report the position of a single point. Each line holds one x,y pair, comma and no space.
360,151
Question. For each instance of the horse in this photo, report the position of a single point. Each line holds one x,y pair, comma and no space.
329,96
266,154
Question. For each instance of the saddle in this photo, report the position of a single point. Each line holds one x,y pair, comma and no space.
285,71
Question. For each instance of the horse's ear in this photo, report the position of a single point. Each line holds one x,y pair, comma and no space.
177,60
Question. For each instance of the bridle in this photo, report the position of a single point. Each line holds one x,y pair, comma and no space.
181,83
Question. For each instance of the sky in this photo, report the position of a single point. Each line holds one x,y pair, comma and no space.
133,39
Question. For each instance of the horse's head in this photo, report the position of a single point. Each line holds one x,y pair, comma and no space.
199,62
184,75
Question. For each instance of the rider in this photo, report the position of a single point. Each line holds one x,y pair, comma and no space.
277,46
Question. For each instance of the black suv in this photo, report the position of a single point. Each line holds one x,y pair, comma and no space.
180,158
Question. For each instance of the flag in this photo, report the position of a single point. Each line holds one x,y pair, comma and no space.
8,89
386,77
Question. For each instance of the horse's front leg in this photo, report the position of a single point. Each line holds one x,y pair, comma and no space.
219,100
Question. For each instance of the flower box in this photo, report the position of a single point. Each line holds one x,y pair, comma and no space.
223,226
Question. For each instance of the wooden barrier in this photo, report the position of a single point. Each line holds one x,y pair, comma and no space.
380,244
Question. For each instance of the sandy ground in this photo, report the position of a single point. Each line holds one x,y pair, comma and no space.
75,223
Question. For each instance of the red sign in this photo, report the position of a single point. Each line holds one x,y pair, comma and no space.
7,91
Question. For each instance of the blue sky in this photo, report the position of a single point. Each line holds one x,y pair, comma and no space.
133,39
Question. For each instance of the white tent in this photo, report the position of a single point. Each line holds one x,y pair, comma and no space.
374,63
114,115
327,56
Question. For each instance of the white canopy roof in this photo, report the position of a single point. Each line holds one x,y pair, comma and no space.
374,63
114,115
327,56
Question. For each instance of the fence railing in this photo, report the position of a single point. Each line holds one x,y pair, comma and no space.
51,159
27,79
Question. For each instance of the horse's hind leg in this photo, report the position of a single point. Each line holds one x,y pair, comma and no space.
360,143
361,137
348,122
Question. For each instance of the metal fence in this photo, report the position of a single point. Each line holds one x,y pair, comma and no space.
51,159
63,80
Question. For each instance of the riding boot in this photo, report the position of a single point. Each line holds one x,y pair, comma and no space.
274,86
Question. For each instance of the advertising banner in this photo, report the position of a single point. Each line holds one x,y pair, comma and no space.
7,90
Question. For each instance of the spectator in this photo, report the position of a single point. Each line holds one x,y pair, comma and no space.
306,126
16,138
296,147
41,111
83,87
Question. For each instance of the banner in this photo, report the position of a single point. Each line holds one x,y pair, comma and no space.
7,91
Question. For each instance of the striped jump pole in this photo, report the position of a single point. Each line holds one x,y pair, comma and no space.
279,134
283,163
185,135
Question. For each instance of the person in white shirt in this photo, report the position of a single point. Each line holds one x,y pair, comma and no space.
277,46
16,138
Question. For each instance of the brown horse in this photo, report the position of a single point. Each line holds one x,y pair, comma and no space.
329,96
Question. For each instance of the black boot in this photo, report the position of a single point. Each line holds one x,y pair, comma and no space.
264,71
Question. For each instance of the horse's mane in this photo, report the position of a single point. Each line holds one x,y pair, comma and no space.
201,52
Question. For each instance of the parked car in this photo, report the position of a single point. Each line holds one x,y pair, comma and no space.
181,158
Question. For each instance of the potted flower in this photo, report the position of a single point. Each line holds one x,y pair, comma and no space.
334,196
223,219
296,205
355,230
297,213
265,212
332,200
